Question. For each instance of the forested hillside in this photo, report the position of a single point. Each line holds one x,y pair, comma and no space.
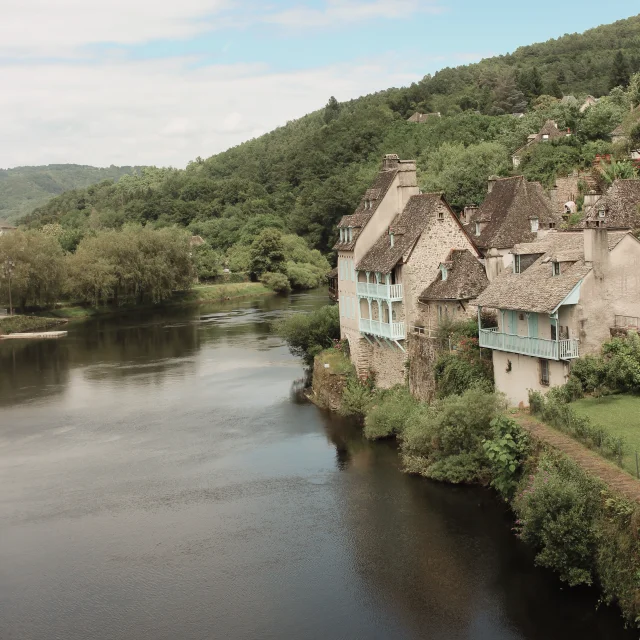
22,189
303,177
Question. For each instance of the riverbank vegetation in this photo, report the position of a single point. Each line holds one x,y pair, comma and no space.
139,265
22,324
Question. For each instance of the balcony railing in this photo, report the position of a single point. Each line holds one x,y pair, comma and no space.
385,291
537,347
390,330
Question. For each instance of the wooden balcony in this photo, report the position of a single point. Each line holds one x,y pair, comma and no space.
536,347
389,330
392,292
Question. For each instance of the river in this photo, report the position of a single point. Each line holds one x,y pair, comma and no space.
160,478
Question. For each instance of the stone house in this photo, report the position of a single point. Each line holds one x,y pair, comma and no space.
514,211
618,208
560,300
390,278
549,131
461,278
589,101
392,188
5,227
421,118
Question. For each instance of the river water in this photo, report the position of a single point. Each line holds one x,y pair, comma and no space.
161,479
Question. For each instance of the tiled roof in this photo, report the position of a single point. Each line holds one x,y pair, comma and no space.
359,218
466,278
621,204
6,225
549,128
507,212
422,117
406,227
537,289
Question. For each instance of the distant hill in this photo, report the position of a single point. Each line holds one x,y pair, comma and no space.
304,176
23,189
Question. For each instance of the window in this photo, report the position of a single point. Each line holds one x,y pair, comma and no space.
602,213
440,214
391,239
350,234
516,264
477,228
544,372
545,136
444,271
554,331
556,268
534,224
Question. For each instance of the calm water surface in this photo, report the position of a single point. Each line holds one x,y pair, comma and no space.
159,479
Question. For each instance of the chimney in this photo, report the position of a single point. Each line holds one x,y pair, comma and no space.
390,161
589,200
596,250
492,181
494,264
407,182
467,212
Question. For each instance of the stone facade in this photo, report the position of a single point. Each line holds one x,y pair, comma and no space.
423,352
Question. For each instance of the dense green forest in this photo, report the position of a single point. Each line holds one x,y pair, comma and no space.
22,189
302,177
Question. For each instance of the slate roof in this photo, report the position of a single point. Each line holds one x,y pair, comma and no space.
549,128
618,131
537,289
507,212
406,228
621,204
466,279
359,218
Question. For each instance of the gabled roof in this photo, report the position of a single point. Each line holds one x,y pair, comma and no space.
507,211
6,225
422,117
621,204
549,128
537,289
419,213
359,218
466,279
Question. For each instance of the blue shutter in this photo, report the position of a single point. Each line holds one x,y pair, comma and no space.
512,320
533,325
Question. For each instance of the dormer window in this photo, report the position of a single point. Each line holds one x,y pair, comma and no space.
602,213
350,234
555,266
516,264
341,234
444,271
534,224
391,239
477,228
545,136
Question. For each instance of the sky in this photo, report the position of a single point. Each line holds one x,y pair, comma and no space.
161,82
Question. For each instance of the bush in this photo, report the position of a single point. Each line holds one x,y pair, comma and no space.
451,427
454,374
356,398
277,282
304,276
309,333
557,509
389,412
506,450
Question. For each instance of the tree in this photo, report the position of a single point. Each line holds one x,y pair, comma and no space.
267,254
331,110
619,71
554,89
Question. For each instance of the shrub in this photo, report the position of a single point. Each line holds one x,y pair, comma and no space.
389,412
304,276
454,374
309,333
506,450
590,372
277,282
557,509
463,468
356,398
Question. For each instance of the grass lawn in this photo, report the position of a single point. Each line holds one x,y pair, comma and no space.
618,414
337,361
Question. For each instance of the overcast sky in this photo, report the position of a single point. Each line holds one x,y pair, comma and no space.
164,81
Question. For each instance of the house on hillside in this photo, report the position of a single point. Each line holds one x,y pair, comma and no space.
514,211
549,131
620,135
618,208
5,227
421,118
589,101
559,300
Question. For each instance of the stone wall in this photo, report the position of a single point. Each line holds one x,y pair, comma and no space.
327,386
387,365
422,352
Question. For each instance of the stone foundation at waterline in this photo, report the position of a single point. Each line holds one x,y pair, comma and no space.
422,353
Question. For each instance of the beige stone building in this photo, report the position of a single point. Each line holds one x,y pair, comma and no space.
5,227
394,248
421,118
560,300
514,211
618,208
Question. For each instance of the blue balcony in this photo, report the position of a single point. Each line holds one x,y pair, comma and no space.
536,347
390,292
389,330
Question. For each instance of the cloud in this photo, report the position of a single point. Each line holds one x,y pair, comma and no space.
33,28
343,12
163,112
